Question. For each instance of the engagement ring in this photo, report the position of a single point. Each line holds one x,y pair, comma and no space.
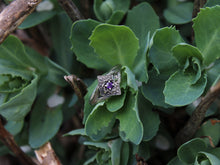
108,85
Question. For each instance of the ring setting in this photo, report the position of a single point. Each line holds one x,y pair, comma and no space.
108,85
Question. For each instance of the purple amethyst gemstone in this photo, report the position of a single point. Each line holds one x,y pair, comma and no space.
109,85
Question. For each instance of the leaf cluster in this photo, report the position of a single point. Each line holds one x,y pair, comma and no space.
161,72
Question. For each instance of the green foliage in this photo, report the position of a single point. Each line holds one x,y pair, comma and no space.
209,129
196,152
81,30
37,18
99,123
111,11
207,38
22,70
180,88
161,70
143,29
111,42
180,13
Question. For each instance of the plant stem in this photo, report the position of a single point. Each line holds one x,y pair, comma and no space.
85,5
188,131
14,14
8,140
78,85
71,9
46,155
197,5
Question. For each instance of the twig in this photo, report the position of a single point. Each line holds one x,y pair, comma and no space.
47,156
197,5
85,5
71,9
78,85
8,140
198,115
14,14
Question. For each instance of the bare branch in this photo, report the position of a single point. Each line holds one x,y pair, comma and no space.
71,9
47,156
78,85
8,140
14,14
198,115
197,5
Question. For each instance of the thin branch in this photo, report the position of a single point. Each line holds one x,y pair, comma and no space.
85,5
197,5
78,85
71,9
8,140
198,115
46,155
14,14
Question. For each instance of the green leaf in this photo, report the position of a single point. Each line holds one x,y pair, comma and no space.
46,67
143,29
76,132
12,51
116,17
116,102
115,44
38,62
131,128
56,73
20,103
15,55
179,88
90,160
207,39
160,53
213,74
183,51
124,153
111,11
153,90
115,146
11,83
60,41
103,158
99,122
37,18
44,120
211,3
14,127
204,156
131,82
179,14
144,150
44,123
209,129
214,151
102,145
87,106
189,150
176,161
81,30
149,118
190,57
